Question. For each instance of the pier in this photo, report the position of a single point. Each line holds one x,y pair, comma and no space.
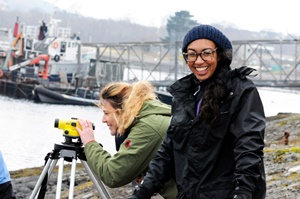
277,62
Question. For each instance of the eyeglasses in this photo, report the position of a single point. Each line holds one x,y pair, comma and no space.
206,55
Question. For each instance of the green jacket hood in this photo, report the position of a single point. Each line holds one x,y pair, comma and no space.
155,107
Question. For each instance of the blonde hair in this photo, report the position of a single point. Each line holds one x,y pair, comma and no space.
127,99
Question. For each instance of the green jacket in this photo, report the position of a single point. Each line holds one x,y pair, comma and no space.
132,159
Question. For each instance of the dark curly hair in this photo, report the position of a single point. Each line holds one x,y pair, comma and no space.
216,89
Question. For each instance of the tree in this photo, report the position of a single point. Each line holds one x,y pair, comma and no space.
178,25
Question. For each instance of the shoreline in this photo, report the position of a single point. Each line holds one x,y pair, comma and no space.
282,165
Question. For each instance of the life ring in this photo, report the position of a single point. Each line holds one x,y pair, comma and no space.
55,45
1,73
56,58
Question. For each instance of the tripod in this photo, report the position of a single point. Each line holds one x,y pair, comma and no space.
69,151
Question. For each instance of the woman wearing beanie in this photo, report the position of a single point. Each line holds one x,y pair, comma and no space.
214,144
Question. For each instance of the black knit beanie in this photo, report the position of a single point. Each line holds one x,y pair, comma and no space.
206,32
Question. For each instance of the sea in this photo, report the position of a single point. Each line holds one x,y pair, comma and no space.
28,133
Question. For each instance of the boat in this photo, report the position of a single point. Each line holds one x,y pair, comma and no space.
45,95
81,97
17,89
47,67
64,48
44,55
26,80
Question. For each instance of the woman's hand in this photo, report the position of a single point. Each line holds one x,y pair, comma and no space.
86,131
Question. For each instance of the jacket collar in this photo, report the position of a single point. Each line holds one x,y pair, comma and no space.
182,91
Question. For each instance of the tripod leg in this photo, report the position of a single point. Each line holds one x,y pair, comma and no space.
72,181
59,178
67,153
97,182
41,178
52,167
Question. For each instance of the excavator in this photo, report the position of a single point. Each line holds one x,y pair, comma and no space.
33,61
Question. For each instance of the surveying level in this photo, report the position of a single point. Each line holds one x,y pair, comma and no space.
68,126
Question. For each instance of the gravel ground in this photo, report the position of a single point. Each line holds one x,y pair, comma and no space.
282,164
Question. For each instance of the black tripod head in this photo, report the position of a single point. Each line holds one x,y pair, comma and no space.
73,141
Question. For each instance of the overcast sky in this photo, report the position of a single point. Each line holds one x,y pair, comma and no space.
256,15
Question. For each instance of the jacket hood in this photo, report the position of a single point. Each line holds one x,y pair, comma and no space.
155,107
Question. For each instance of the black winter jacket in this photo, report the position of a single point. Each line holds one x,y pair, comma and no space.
219,162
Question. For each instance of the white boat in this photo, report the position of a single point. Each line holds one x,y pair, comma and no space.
45,55
67,56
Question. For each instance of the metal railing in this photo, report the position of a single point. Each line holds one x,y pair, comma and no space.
277,62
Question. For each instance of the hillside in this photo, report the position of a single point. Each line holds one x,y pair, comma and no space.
33,12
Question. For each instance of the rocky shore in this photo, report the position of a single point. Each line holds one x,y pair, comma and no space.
282,164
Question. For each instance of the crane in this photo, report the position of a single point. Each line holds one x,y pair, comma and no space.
33,61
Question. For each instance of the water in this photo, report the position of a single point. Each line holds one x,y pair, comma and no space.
27,129
280,101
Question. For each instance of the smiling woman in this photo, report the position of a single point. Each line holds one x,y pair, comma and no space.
215,110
